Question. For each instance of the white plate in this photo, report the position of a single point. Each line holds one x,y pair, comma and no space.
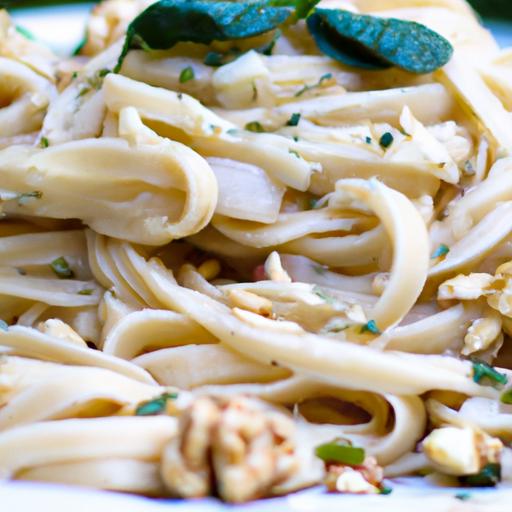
62,28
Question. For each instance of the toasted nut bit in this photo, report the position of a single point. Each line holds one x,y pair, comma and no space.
239,444
209,269
463,287
461,451
58,329
274,269
482,333
251,302
364,479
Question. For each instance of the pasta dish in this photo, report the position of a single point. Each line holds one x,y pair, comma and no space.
252,247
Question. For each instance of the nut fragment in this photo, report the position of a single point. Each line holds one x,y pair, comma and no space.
482,333
274,269
461,451
364,479
463,287
240,445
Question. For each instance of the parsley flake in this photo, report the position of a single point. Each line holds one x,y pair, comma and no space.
340,451
187,74
86,291
155,406
44,142
386,140
442,250
61,268
320,83
254,126
294,120
482,370
371,326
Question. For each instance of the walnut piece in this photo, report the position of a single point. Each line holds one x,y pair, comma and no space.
364,479
235,447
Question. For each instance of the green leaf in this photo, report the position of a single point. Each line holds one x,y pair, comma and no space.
506,397
385,490
168,22
155,406
340,451
386,140
482,370
442,250
321,81
254,126
371,42
25,32
187,74
44,142
4,326
490,476
214,59
86,291
303,8
294,120
371,326
61,268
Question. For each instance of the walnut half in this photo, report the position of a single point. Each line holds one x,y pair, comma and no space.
235,447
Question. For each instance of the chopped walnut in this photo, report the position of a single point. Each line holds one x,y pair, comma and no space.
463,287
238,448
482,333
364,479
461,451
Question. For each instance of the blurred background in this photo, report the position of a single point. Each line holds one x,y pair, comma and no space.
60,23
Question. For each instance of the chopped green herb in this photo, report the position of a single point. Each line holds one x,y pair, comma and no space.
180,96
168,22
294,153
74,75
102,73
25,32
83,92
296,138
463,496
385,490
4,326
302,7
21,271
373,42
326,298
313,204
86,291
386,140
306,88
187,74
482,370
294,120
340,451
490,476
319,269
371,326
254,92
368,140
155,406
61,268
506,397
44,142
24,198
254,126
442,250
80,45
214,59
232,131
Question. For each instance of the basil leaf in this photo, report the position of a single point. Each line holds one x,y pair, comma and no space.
386,140
371,326
254,126
155,406
442,250
168,22
490,476
370,42
340,451
294,119
303,8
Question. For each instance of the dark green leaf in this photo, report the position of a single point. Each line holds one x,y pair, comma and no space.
294,120
214,59
4,326
302,7
506,398
463,496
25,32
386,140
24,198
168,22
490,476
385,490
61,268
442,250
254,126
340,451
187,74
372,42
368,140
86,291
482,370
371,326
44,142
155,406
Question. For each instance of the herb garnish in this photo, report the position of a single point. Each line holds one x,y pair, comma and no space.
373,42
86,291
294,153
44,142
385,490
386,140
482,370
4,326
254,126
187,74
306,88
61,268
25,32
168,22
506,397
25,197
368,140
155,406
326,298
340,451
463,496
442,250
294,119
302,7
490,476
371,326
